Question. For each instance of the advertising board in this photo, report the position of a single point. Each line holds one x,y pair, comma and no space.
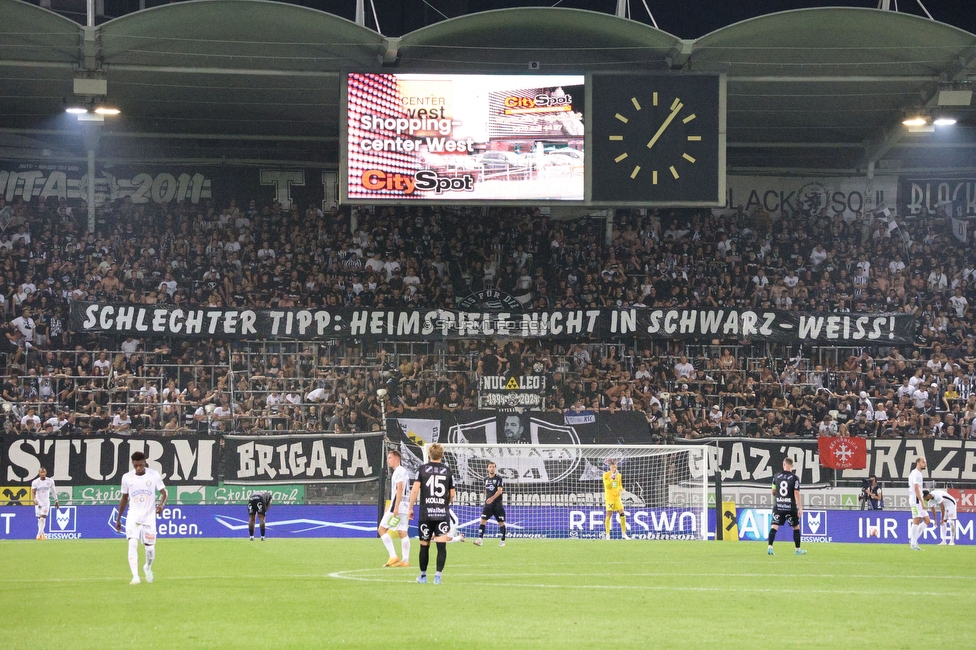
463,138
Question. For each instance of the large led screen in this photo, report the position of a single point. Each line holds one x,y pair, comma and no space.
464,138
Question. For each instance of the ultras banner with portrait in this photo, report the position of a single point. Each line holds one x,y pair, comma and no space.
440,324
531,427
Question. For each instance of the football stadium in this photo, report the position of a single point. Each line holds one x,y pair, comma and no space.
370,323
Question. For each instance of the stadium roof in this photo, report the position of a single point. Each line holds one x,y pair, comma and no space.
248,81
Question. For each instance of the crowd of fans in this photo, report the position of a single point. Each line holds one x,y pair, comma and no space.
263,256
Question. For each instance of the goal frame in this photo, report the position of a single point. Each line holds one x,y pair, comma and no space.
702,450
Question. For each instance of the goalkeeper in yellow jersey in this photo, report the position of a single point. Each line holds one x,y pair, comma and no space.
612,486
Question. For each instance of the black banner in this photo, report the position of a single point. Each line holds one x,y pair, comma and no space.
749,460
542,428
102,460
322,324
318,458
926,196
510,392
170,184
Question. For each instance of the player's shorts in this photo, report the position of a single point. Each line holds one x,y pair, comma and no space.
615,505
494,509
402,526
430,528
919,511
790,517
950,510
41,510
255,506
145,533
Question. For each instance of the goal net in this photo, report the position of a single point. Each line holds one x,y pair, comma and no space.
556,491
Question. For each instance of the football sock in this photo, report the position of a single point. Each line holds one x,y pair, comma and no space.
796,538
262,529
134,557
424,558
503,532
441,555
606,525
150,555
388,543
912,533
405,549
772,536
250,528
623,524
481,530
40,525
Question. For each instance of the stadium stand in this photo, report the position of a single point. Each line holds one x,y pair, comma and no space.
264,256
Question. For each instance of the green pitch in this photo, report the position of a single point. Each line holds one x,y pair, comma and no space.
532,593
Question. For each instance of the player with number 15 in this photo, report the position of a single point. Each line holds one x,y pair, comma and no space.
434,491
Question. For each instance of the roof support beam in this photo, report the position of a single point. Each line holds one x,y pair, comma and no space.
796,145
178,136
857,79
247,72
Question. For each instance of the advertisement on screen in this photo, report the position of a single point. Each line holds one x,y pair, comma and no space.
858,526
463,138
194,522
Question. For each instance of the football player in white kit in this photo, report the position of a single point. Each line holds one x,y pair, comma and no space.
41,489
917,502
455,534
139,489
947,511
397,513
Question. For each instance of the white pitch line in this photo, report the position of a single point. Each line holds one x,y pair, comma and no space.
342,575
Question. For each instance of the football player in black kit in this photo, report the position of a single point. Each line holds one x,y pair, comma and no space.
493,505
787,505
257,504
434,491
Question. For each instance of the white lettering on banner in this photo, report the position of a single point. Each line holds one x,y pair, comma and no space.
784,197
882,528
256,460
103,459
762,470
300,323
42,180
647,520
282,180
926,196
17,456
6,516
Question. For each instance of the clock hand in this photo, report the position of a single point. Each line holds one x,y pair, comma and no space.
667,122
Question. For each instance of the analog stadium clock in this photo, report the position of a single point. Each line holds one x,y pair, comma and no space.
658,139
